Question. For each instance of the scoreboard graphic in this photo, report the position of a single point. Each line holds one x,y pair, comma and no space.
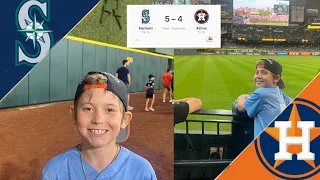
173,26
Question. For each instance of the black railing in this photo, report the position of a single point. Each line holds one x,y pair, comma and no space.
192,150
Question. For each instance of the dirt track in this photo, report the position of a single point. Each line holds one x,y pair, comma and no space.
31,136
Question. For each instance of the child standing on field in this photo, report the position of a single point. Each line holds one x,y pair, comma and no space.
150,93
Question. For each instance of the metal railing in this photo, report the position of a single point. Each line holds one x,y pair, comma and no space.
202,166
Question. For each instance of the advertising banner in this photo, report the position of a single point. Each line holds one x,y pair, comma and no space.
282,53
294,53
257,54
305,53
315,53
271,53
235,53
242,50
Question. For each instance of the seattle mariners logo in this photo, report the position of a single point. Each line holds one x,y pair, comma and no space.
145,16
201,16
34,30
290,147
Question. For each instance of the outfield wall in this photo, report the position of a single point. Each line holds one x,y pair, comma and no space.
56,77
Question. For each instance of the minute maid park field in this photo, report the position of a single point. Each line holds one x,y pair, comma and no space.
219,79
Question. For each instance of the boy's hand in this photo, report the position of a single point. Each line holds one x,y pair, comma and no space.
242,96
240,102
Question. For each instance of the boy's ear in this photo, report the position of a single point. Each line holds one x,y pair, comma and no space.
126,119
276,78
72,114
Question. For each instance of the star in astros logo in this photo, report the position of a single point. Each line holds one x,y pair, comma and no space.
201,16
290,147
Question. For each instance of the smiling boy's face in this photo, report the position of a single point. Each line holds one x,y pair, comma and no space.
100,116
265,78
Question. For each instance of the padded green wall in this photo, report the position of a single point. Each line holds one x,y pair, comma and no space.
56,77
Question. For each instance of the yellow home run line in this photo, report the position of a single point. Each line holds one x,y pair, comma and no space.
116,46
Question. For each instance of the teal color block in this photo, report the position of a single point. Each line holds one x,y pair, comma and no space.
74,67
59,71
101,58
39,82
18,96
89,58
112,63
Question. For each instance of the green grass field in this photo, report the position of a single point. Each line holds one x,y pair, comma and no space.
219,80
107,31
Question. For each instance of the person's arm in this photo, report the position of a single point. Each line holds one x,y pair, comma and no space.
240,102
117,74
147,86
252,104
182,100
194,103
129,79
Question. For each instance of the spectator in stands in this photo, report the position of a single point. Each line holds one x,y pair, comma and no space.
183,107
267,101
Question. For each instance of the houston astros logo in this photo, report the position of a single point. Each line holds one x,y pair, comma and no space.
38,38
290,147
201,16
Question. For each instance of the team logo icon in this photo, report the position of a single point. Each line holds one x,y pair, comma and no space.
209,38
33,28
290,147
201,16
145,16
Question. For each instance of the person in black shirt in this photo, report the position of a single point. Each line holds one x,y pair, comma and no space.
123,73
150,93
184,107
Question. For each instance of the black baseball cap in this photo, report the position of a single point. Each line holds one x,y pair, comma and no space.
151,75
118,88
274,67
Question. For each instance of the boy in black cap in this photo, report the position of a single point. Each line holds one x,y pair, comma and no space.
150,93
267,101
100,114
